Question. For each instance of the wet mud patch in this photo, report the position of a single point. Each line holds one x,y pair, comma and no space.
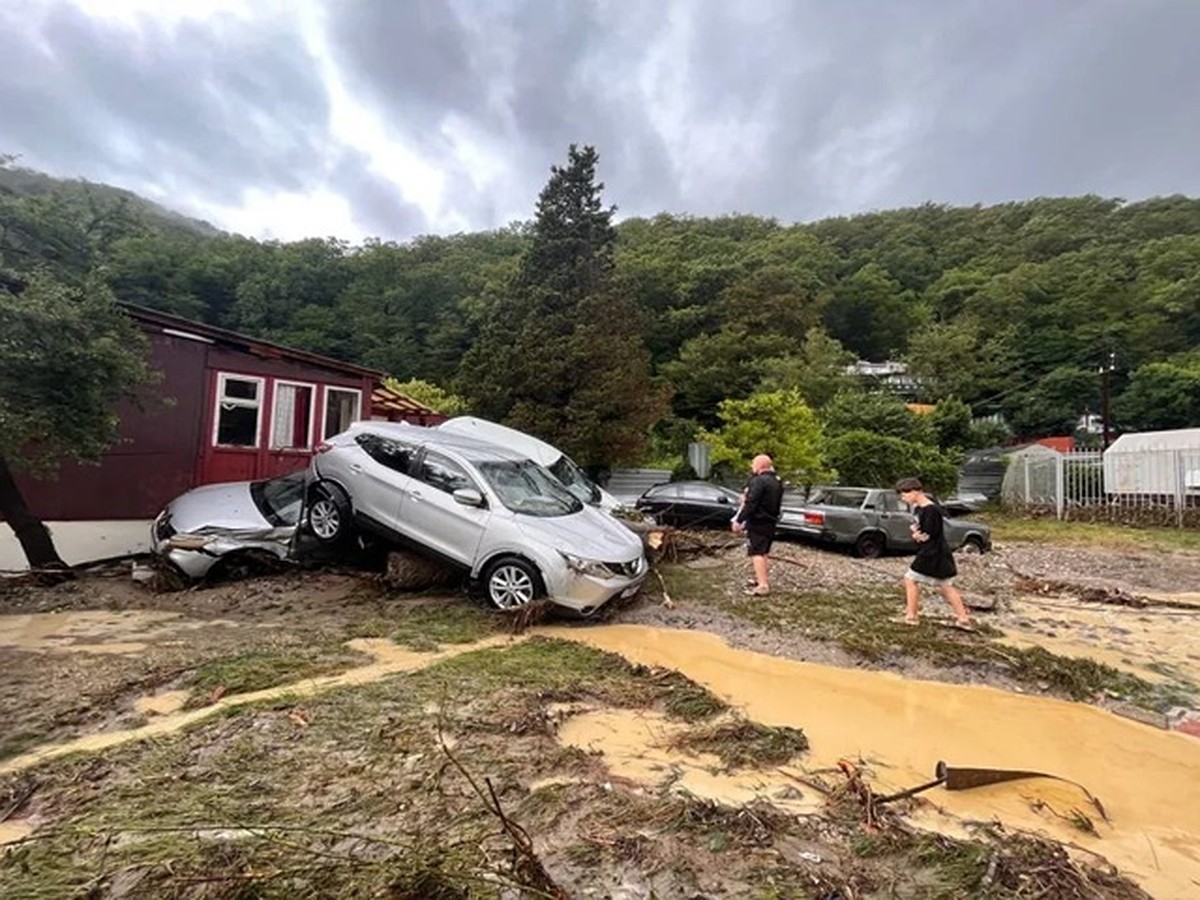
392,788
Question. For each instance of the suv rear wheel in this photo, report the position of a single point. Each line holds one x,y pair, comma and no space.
870,545
510,583
973,544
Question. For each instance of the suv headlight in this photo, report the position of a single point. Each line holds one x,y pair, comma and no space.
587,566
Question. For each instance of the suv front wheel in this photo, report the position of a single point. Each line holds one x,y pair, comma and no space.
510,583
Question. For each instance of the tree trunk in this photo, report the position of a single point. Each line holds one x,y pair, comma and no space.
34,536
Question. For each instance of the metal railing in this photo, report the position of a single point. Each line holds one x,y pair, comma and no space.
1139,487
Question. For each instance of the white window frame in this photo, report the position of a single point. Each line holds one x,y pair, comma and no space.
222,378
325,406
312,416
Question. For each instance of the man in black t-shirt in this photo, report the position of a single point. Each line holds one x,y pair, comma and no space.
757,517
934,563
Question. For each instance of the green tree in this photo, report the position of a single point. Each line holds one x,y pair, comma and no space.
951,420
436,398
869,459
778,423
871,314
1160,396
561,355
879,412
1054,404
67,356
818,370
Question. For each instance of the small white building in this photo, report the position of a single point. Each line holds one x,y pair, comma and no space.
1161,463
890,374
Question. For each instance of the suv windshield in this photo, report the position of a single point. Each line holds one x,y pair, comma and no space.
573,479
527,488
280,499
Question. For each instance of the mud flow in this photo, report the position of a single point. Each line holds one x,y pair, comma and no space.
895,729
900,728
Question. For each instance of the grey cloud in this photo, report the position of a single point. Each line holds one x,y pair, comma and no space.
215,109
379,206
782,108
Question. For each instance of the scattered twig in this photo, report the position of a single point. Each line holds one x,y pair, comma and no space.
526,862
667,601
19,802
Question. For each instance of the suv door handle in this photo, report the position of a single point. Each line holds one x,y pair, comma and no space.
355,467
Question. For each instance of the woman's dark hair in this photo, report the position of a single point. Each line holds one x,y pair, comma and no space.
909,484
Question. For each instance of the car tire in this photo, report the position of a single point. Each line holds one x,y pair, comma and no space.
870,545
329,513
972,545
510,583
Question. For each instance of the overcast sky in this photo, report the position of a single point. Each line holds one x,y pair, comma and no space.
393,118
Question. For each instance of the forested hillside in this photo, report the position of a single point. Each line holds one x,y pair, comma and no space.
1010,308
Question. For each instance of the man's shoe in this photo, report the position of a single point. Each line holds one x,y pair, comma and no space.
757,591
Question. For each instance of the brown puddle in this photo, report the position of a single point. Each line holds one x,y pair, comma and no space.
1146,778
100,631
636,747
11,832
162,704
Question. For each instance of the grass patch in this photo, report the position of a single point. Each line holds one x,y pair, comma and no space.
428,627
257,670
1094,534
689,701
14,744
745,744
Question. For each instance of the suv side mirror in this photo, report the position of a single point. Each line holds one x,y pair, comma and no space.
468,497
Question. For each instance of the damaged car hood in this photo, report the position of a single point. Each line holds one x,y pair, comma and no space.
586,533
218,506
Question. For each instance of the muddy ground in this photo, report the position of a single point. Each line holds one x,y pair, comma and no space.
448,781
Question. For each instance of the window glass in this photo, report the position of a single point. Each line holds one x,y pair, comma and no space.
386,451
241,389
526,488
701,492
665,492
280,499
237,411
889,502
444,473
341,410
836,497
292,419
574,480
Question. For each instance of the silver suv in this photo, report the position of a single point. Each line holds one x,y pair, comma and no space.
478,506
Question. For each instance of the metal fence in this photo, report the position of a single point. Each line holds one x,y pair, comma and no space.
1141,487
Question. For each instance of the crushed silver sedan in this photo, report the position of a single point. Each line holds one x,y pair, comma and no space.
232,522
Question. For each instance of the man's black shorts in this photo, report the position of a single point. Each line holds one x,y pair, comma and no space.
760,539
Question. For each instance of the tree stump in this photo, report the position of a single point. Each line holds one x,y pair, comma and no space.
413,572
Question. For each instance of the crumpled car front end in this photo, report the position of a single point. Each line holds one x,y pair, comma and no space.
586,560
585,585
195,553
211,523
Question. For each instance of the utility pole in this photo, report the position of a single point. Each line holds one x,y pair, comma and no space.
1105,369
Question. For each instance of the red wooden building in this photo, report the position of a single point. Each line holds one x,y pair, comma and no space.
228,408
